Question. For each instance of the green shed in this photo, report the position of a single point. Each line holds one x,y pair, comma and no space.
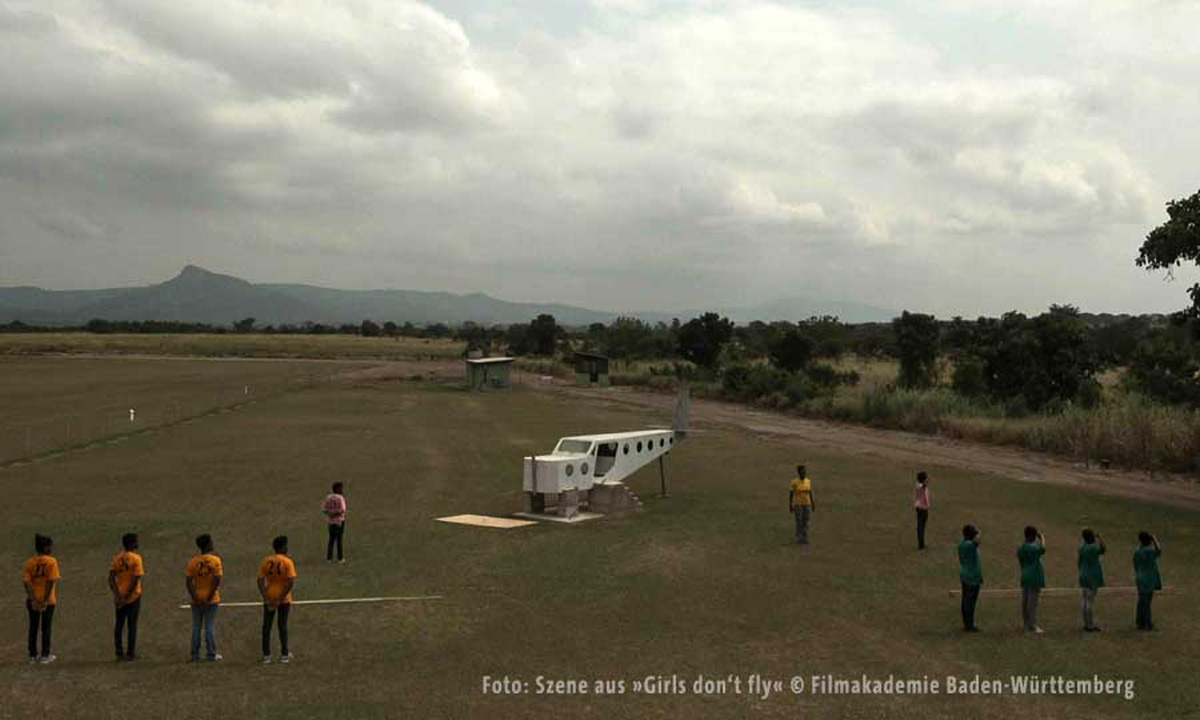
591,370
489,372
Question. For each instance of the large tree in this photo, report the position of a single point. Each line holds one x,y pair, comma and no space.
700,339
628,338
917,346
792,351
543,332
1039,360
1175,242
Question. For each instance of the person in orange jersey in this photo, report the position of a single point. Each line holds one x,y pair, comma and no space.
41,576
204,573
276,577
125,581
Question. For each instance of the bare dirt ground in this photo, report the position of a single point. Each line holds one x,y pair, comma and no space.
910,448
400,370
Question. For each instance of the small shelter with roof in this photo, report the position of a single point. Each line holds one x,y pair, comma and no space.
591,370
493,372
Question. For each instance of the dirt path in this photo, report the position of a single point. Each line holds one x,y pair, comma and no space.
911,448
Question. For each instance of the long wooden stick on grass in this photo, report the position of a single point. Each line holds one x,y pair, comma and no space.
332,601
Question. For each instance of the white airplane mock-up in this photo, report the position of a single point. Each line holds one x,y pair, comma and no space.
589,470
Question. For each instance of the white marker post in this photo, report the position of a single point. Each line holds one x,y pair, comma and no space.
132,413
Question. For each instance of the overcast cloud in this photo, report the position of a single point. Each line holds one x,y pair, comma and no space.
956,156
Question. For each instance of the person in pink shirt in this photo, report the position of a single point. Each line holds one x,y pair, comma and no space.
334,508
921,505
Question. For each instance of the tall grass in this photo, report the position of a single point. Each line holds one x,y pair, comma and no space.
1129,431
1125,430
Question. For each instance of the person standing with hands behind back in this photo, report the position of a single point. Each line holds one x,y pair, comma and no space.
41,577
125,581
334,508
921,505
276,577
801,502
204,573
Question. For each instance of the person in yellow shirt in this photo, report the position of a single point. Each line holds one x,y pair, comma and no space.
801,503
204,573
276,576
41,576
125,581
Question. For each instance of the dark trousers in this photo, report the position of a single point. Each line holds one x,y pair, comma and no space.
269,616
803,514
127,614
43,619
1144,621
922,518
970,596
335,537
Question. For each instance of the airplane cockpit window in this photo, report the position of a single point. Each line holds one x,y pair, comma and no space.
573,446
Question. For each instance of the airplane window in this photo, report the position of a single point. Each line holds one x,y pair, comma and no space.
583,469
570,470
639,445
626,448
661,442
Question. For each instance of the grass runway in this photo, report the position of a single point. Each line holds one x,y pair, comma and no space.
705,582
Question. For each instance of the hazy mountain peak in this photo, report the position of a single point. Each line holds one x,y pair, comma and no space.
192,275
200,295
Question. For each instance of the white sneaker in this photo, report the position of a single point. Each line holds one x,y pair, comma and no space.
285,658
47,659
1039,631
342,561
266,660
215,658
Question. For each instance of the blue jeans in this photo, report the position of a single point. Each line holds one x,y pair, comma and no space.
204,615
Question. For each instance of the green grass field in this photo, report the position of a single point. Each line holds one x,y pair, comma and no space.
231,345
52,403
706,582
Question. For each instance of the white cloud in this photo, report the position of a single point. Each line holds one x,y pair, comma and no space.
662,153
384,65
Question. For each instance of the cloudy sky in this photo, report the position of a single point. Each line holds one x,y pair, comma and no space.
951,156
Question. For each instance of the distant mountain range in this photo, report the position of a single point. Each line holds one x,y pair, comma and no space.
200,296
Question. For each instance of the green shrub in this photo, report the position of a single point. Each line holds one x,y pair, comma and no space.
828,376
968,378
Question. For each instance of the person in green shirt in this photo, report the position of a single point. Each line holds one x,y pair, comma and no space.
1091,575
970,573
1033,577
1145,568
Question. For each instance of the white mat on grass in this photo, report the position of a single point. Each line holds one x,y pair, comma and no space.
485,521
